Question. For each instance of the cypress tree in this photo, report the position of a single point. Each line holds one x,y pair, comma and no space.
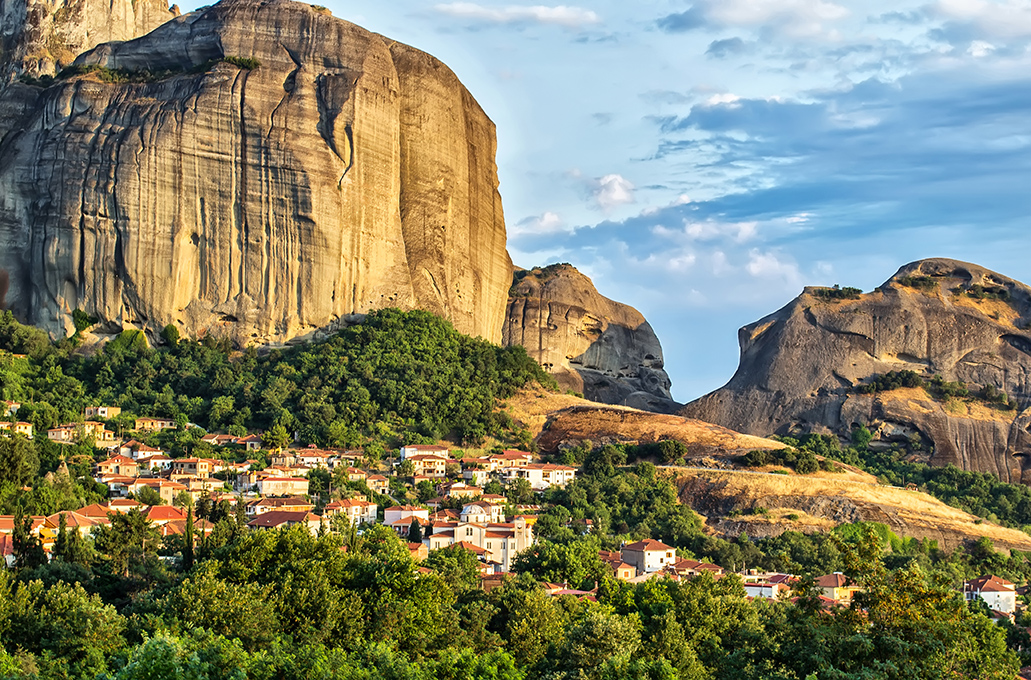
188,547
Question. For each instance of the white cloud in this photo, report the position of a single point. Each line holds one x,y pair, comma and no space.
768,266
800,218
1000,18
545,223
560,15
795,18
612,191
980,48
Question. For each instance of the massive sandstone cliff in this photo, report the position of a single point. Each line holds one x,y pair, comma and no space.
589,343
800,366
346,173
38,37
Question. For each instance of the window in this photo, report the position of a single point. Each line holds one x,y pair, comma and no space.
468,531
488,545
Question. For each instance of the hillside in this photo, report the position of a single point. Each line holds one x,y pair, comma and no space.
820,502
560,420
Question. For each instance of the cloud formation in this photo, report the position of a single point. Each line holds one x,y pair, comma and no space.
796,18
612,191
560,15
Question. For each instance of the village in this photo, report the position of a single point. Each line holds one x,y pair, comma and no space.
466,508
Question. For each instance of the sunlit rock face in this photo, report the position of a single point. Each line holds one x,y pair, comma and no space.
276,170
800,366
603,349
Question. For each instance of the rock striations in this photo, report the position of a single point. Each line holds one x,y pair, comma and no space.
801,365
591,344
38,37
258,169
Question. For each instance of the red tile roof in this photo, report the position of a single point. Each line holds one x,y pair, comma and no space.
647,544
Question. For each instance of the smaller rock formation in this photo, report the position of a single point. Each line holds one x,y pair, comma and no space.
603,349
801,366
39,37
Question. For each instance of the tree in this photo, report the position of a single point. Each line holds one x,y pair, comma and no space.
415,531
276,437
188,541
671,450
70,546
28,549
406,468
130,542
148,496
19,462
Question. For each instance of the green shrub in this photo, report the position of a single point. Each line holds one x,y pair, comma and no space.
924,283
838,293
248,63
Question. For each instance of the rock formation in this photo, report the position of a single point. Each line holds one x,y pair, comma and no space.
590,344
258,169
800,366
39,37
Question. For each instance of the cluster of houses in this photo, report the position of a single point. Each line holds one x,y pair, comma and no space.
461,515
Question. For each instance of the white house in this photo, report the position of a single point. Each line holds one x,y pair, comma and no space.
399,517
542,475
649,555
426,450
1000,595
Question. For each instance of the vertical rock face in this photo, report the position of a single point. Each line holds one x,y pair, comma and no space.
38,37
801,365
590,344
345,173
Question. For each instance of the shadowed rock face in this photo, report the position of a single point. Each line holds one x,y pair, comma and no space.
800,365
346,173
590,344
39,37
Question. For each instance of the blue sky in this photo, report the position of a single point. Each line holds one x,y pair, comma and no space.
703,161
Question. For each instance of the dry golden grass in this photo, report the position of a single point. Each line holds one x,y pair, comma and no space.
916,399
998,310
570,418
908,513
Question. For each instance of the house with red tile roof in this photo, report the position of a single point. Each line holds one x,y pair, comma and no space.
999,594
280,519
541,475
501,540
649,555
425,449
837,587
357,511
163,514
621,570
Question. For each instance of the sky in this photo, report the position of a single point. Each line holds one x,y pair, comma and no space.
703,161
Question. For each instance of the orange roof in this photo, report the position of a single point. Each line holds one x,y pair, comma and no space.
164,512
990,584
277,518
465,545
71,519
647,544
835,580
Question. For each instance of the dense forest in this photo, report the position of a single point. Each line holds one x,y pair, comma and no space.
396,376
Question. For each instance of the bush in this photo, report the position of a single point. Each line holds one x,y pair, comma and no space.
247,63
838,293
924,283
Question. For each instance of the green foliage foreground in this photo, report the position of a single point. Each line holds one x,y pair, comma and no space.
285,604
